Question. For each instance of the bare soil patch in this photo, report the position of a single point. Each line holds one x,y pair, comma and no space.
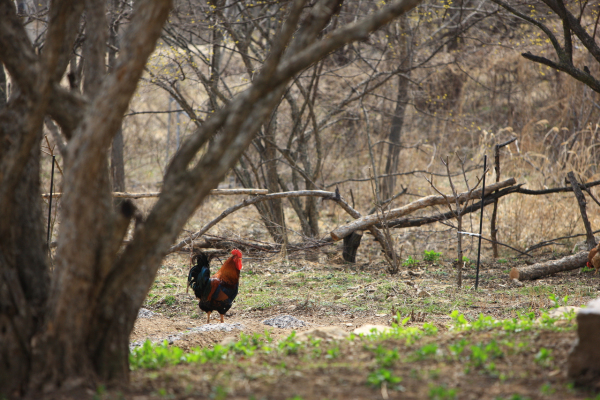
329,294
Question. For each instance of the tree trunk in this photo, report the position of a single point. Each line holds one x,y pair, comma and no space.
272,180
23,291
351,244
393,154
117,162
71,328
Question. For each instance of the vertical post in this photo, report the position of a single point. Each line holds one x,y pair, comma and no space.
50,202
493,227
480,222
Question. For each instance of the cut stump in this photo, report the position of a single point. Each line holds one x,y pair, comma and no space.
583,363
546,268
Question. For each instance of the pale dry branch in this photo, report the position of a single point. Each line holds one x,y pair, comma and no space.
370,220
214,192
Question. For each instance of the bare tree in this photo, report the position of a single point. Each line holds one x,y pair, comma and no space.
458,211
71,326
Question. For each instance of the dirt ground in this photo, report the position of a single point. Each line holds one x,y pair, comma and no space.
346,296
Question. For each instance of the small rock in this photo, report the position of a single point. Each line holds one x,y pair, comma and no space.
337,297
325,332
370,290
517,282
145,313
371,329
380,315
423,293
560,311
217,327
349,324
227,340
285,322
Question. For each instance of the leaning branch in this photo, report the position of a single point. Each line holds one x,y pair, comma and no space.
258,199
365,222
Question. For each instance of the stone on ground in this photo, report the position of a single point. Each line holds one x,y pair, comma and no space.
285,322
217,327
145,313
371,329
323,332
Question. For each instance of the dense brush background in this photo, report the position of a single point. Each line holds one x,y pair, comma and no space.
466,93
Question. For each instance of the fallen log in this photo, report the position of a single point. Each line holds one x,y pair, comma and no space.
370,220
546,268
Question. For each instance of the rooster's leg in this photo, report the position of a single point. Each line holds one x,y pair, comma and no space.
222,320
208,317
595,273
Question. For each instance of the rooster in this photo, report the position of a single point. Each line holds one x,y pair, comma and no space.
594,258
216,293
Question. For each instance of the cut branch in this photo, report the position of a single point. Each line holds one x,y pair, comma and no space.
542,269
214,192
366,222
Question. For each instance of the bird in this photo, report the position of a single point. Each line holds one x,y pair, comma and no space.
594,258
215,293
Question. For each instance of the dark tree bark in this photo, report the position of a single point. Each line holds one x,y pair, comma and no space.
3,88
117,160
351,244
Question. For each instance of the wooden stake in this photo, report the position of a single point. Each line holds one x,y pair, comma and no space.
481,222
493,228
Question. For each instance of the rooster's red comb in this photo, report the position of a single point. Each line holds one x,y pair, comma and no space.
236,253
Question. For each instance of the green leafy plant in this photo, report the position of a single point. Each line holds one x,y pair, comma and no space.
170,300
332,353
410,262
377,378
431,255
290,345
457,348
543,357
386,358
426,351
547,389
442,393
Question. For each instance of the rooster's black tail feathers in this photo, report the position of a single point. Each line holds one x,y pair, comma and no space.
199,274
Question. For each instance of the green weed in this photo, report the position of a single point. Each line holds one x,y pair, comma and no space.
442,393
543,357
377,378
410,262
431,255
